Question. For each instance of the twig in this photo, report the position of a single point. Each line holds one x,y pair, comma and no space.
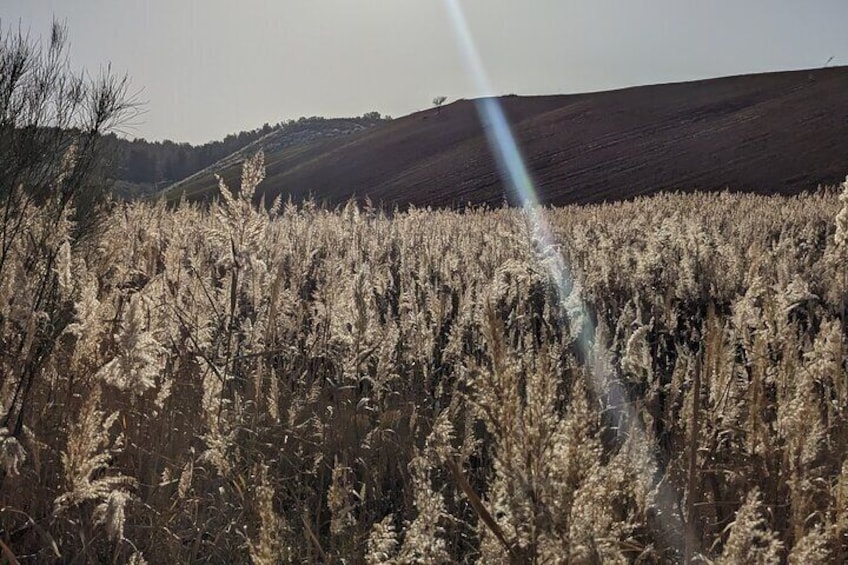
314,539
480,509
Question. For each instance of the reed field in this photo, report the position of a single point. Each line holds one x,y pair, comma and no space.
657,381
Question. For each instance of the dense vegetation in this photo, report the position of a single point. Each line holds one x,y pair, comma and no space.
299,385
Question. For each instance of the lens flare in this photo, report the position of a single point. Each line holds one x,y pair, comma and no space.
517,179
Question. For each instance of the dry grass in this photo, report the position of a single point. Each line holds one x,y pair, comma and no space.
229,384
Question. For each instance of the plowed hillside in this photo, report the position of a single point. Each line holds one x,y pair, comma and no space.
780,132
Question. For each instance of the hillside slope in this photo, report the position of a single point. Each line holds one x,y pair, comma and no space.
772,133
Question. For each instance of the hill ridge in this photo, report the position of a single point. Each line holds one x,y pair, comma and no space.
780,132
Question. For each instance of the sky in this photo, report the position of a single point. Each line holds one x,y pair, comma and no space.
207,68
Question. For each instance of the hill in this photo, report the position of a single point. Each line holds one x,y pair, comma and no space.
140,167
288,139
782,132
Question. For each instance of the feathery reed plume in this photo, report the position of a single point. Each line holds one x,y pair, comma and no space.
139,355
86,461
12,453
271,547
382,542
750,539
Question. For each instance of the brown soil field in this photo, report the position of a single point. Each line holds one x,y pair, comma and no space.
783,132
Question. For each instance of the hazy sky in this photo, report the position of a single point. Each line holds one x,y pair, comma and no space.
206,68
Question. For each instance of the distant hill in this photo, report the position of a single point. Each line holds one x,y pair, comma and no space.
288,139
782,132
142,167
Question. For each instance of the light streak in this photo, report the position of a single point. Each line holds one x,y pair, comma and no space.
519,183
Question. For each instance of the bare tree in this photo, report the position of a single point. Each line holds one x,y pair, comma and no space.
437,102
52,123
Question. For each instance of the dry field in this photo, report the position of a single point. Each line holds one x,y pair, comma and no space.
763,133
230,384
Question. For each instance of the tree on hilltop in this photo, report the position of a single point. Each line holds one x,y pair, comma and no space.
437,102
